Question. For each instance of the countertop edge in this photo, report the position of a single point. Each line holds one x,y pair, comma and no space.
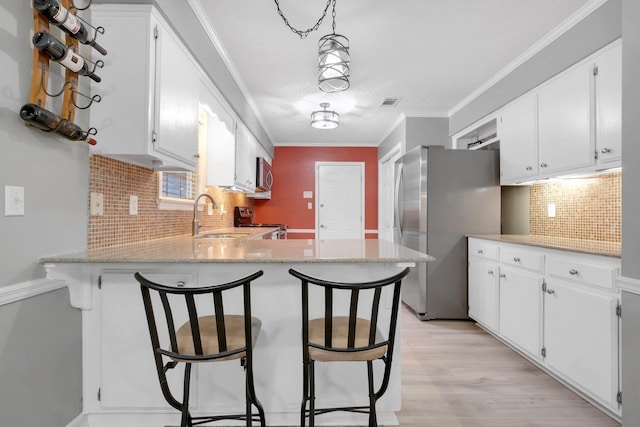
557,243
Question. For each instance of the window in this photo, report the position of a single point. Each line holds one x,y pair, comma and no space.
177,185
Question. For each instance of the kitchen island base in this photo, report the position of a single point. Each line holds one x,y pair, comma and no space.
120,386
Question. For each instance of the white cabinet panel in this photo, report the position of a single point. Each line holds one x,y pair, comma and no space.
581,337
521,309
128,373
608,94
564,122
518,131
483,292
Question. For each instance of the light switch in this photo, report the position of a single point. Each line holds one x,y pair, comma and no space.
133,205
307,194
551,210
13,201
96,203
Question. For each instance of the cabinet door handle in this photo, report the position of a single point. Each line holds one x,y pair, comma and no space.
605,150
490,272
480,251
503,276
516,259
528,168
543,165
550,291
573,272
180,284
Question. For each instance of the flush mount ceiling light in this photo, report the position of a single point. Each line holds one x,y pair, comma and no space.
324,119
333,53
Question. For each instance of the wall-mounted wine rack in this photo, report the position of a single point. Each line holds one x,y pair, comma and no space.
61,13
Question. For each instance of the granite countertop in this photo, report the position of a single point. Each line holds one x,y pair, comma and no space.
576,245
186,249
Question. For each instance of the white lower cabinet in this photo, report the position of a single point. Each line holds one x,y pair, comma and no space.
521,309
558,308
483,292
581,337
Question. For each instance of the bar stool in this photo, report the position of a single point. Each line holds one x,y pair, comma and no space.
350,337
213,337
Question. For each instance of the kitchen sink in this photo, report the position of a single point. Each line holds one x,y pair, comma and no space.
222,235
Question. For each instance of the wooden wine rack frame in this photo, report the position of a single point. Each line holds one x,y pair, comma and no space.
40,72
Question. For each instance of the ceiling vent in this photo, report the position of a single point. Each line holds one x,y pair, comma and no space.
389,102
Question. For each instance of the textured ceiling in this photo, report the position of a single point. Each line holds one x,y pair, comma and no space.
432,54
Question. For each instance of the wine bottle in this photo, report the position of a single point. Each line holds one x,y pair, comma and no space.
39,117
69,23
47,120
62,54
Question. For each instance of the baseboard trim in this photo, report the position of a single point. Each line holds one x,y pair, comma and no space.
79,421
23,290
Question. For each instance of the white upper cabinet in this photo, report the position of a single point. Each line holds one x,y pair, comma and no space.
149,110
571,124
608,95
231,148
518,131
246,149
564,122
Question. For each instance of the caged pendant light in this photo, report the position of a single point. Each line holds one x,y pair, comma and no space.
324,119
333,60
333,53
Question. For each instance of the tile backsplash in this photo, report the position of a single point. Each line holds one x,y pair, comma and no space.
586,208
117,181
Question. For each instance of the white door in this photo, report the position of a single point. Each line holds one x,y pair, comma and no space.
386,194
339,200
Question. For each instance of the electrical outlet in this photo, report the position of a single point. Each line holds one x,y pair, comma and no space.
13,201
309,205
133,205
209,209
551,210
96,203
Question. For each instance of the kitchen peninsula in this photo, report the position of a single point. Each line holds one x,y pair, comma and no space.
120,386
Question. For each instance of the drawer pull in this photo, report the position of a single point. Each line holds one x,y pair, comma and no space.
503,276
550,291
490,272
573,272
516,259
528,168
180,284
480,251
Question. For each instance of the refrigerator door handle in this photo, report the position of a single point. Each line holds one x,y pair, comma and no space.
397,219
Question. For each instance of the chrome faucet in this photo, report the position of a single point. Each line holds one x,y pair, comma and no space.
196,224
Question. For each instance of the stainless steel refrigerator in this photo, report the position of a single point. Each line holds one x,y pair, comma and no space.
441,196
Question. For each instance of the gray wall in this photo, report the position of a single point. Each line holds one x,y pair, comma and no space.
597,30
397,136
40,337
414,131
40,361
427,131
630,210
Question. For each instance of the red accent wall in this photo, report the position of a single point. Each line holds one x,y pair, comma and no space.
294,172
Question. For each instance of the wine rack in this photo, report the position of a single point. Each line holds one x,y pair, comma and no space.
34,113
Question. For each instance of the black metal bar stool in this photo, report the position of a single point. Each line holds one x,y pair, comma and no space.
210,338
353,336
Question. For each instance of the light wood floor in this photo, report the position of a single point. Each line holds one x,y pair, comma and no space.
454,374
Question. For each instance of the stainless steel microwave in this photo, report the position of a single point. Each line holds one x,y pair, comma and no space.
264,177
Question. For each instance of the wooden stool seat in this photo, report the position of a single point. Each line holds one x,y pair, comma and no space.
339,341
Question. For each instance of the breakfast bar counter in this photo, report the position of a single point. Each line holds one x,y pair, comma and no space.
120,386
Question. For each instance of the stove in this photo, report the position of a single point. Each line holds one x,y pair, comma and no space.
243,217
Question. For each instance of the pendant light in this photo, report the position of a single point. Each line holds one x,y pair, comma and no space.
333,52
324,119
